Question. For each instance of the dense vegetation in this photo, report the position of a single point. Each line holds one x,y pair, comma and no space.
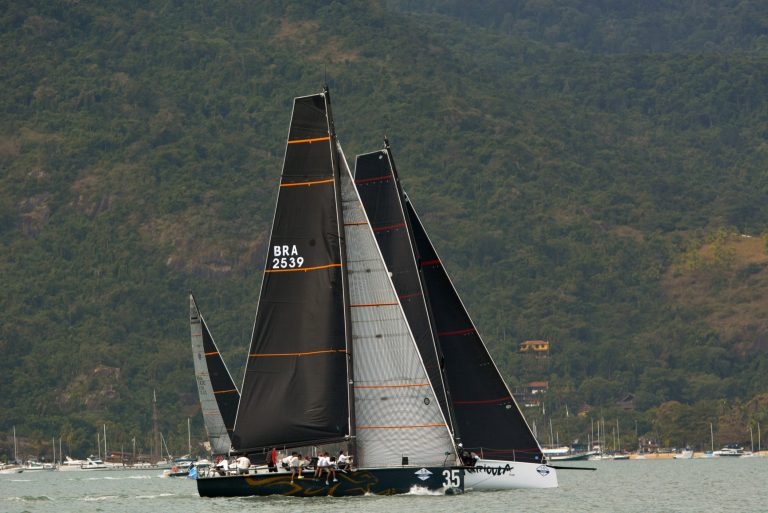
589,177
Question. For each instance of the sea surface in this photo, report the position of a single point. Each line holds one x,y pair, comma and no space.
635,486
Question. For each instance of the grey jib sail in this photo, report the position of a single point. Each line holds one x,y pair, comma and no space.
487,419
295,389
377,183
396,412
218,394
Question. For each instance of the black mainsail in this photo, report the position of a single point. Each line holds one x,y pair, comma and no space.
487,419
218,394
295,389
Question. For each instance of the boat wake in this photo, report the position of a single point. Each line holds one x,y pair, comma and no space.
111,478
28,498
99,498
155,496
420,490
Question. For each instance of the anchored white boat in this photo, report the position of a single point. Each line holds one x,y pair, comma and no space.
34,466
9,468
732,450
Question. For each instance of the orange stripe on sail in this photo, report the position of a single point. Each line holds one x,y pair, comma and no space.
402,427
355,224
316,182
224,391
212,352
308,353
310,141
374,304
393,386
301,269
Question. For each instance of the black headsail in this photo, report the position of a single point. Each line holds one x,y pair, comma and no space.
295,389
487,416
380,191
218,394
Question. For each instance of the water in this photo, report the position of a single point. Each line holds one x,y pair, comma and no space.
674,486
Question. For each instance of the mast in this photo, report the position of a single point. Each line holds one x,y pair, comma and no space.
336,157
189,439
15,452
105,442
158,452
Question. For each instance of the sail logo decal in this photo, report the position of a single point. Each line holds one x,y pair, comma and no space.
423,474
491,471
543,470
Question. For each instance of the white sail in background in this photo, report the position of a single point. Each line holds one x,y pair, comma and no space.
214,423
396,412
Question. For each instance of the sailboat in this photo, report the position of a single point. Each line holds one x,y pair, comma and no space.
332,360
219,396
488,424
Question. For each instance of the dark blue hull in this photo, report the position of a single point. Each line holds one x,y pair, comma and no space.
380,481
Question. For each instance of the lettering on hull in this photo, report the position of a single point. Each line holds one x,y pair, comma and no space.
491,471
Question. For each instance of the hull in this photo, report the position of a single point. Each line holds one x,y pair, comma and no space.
380,481
508,475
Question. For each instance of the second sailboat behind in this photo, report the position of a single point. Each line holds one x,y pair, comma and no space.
500,448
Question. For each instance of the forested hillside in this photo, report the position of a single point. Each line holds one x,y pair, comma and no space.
592,177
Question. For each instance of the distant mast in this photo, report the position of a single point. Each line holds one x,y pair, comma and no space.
157,452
